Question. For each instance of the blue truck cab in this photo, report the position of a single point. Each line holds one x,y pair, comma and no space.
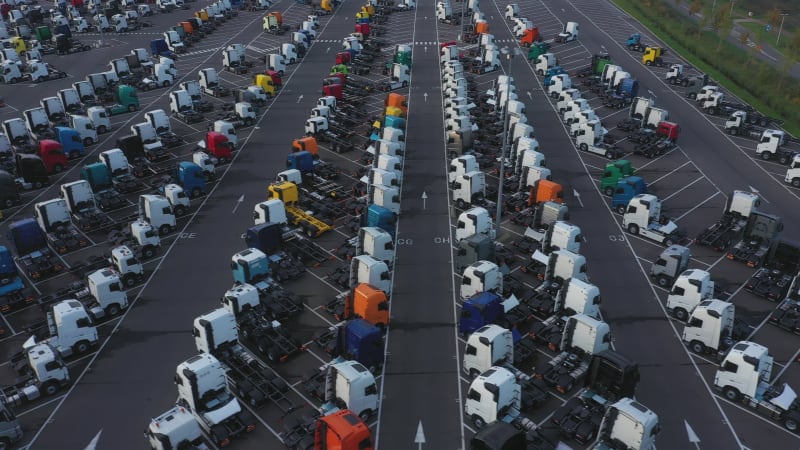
394,122
10,281
551,72
158,47
626,189
361,341
97,175
266,237
633,39
480,310
302,161
70,141
383,218
191,178
252,266
629,88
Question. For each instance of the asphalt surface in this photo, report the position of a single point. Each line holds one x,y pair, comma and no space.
421,384
135,367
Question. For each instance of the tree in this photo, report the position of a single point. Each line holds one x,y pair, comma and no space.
774,16
744,38
722,24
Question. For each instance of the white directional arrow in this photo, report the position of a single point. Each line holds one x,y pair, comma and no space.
426,17
426,96
577,196
530,96
424,206
299,98
693,438
93,443
327,50
419,439
426,49
755,191
238,202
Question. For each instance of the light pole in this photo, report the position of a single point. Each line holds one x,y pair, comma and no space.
733,2
510,54
783,17
713,7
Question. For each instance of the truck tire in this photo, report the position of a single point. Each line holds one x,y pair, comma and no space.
680,314
766,156
697,347
58,168
196,192
80,347
218,435
633,229
609,155
180,210
609,191
784,159
74,154
621,209
148,252
668,242
131,108
164,230
365,415
129,280
648,63
663,281
732,394
49,388
796,182
478,422
13,80
584,147
88,141
692,95
113,310
460,204
790,424
166,83
8,203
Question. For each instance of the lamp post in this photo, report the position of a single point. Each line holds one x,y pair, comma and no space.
510,54
783,17
713,7
733,2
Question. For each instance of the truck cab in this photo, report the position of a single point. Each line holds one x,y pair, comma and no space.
157,210
368,269
490,345
689,289
709,328
672,262
350,384
174,428
643,217
628,424
71,330
474,221
493,396
480,276
377,243
625,190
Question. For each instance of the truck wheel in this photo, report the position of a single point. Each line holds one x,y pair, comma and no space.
662,281
784,159
668,242
583,147
540,72
38,185
621,209
129,280
131,108
796,182
731,394
633,229
164,230
74,154
609,155
790,424
80,347
365,415
13,80
460,204
180,210
49,388
62,75
58,168
112,310
609,191
8,203
766,156
478,422
647,63
88,141
148,252
693,95
680,314
697,347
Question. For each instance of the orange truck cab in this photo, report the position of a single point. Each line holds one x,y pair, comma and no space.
342,430
277,16
546,191
397,101
481,28
530,36
306,144
366,302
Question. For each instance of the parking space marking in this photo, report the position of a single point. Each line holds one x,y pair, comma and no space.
700,178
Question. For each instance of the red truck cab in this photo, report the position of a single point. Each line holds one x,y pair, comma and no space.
52,154
343,58
276,77
670,130
334,90
218,146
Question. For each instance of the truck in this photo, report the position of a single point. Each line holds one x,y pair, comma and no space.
42,374
400,76
125,100
582,337
71,142
474,221
712,328
33,254
210,83
354,339
573,297
39,72
216,333
672,262
54,110
182,107
626,189
744,376
151,143
757,238
157,210
336,429
364,301
689,289
37,124
628,424
159,120
343,384
82,207
202,377
480,276
773,280
196,95
612,173
643,218
739,123
68,330
173,429
634,43
570,33
729,228
770,147
487,308
590,137
54,218
288,193
653,56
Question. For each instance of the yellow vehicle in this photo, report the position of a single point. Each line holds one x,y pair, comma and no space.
18,44
265,82
326,5
202,15
394,111
652,56
288,193
369,9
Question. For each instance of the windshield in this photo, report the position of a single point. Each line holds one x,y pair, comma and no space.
215,399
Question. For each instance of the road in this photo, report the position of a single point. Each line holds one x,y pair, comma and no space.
421,386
